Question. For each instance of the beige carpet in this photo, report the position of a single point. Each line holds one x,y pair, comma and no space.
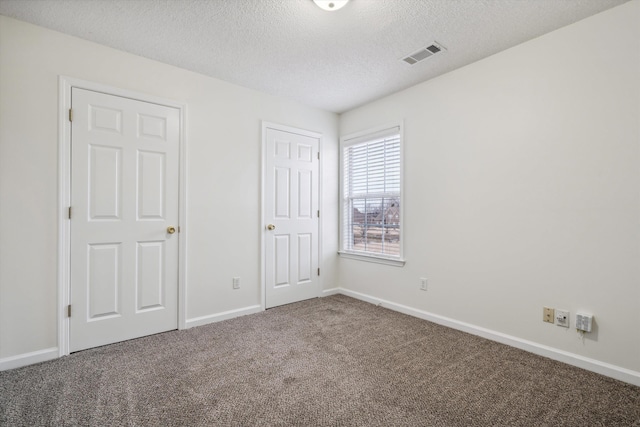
334,361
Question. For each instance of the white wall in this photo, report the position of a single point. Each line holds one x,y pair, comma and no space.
522,189
223,144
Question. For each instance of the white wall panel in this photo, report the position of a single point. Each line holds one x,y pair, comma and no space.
522,184
223,175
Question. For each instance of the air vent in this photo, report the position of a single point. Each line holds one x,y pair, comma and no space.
423,53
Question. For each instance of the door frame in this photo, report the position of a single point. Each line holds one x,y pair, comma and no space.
65,84
263,241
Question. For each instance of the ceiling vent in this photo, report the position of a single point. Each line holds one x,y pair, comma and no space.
424,53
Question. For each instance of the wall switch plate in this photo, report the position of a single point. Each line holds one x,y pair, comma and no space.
584,322
562,318
547,314
423,284
236,283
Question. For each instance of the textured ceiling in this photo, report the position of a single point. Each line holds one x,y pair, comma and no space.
331,60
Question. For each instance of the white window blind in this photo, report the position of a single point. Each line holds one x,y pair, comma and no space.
371,215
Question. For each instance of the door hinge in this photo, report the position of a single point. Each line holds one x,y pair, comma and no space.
69,310
318,214
70,114
69,213
318,272
318,155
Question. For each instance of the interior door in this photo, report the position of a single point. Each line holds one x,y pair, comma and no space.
291,217
124,199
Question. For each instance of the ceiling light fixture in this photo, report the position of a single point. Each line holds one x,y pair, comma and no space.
330,5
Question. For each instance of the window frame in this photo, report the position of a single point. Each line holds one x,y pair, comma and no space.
360,138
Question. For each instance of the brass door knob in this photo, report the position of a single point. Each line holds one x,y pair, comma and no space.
171,229
271,227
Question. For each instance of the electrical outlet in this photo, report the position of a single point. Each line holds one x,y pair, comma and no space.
236,283
584,322
423,284
547,314
562,318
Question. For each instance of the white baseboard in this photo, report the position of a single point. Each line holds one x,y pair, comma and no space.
593,365
25,359
328,292
212,318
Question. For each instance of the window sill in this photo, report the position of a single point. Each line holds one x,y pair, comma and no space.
372,258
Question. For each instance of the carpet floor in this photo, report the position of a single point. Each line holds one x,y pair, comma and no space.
331,361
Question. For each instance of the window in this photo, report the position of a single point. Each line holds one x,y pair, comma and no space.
371,223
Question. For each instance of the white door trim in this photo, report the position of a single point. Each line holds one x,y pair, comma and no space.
64,196
275,126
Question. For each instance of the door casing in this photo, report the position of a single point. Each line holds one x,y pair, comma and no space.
64,196
263,225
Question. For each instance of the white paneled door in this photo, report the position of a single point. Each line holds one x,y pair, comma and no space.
124,219
291,217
